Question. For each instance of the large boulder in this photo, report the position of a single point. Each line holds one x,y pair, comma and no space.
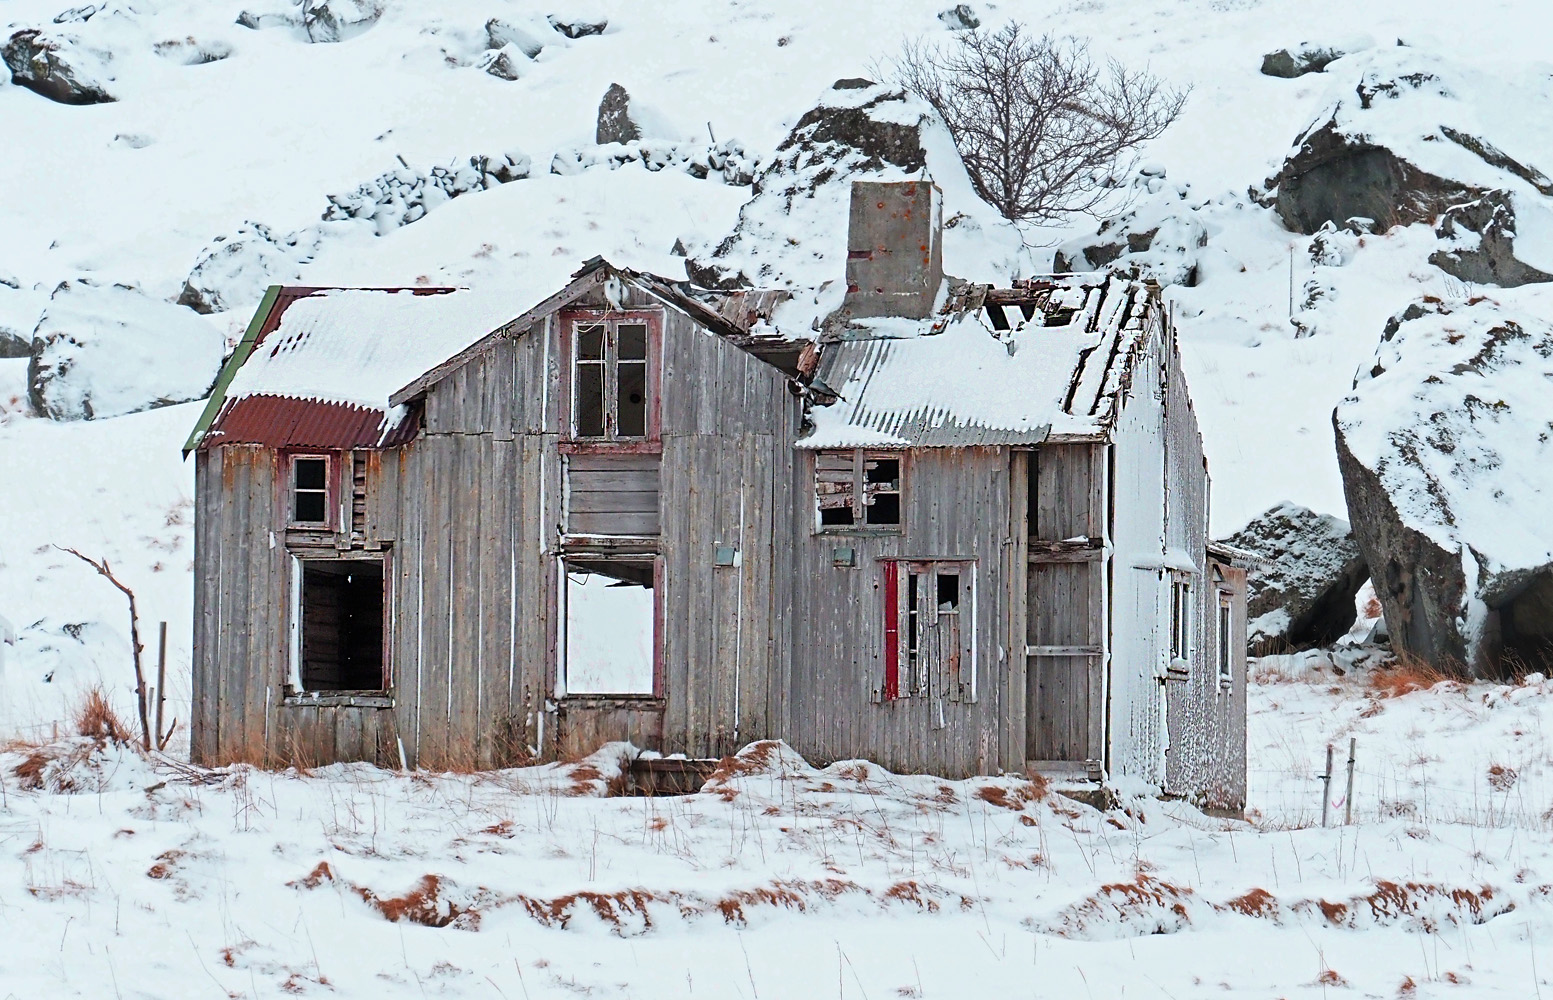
1503,238
232,271
1447,464
337,20
503,33
1416,136
102,351
622,118
793,230
19,310
1310,57
59,66
1302,592
579,24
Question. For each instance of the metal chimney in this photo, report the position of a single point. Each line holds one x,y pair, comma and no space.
895,259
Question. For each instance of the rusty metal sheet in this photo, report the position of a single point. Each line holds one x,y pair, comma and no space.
282,422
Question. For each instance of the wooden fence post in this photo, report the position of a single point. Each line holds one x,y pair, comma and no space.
1326,789
1353,743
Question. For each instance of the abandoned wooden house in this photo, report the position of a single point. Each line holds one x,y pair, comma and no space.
947,527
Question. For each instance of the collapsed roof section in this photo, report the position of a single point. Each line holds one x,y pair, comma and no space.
995,366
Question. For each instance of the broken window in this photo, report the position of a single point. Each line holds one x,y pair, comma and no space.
929,639
1226,638
1180,619
310,489
857,490
610,382
611,626
337,616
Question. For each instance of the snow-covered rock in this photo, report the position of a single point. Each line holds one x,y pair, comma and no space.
1447,460
623,119
793,230
233,270
1302,593
960,17
102,351
60,66
1159,239
190,51
338,20
1418,134
503,32
1503,238
576,24
1310,57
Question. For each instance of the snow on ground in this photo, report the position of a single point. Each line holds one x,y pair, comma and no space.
783,880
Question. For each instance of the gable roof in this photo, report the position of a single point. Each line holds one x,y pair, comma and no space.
738,316
973,375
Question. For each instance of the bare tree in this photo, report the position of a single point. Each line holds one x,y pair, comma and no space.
1043,130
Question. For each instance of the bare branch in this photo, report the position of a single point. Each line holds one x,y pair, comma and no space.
1043,131
102,567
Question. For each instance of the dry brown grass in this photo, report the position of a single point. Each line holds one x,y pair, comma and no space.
1404,676
94,717
1032,789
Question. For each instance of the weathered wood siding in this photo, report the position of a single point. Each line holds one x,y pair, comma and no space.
955,506
1065,639
1138,629
1205,759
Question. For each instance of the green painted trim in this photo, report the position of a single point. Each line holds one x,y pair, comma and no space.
229,370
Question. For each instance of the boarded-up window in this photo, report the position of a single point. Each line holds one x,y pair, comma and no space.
929,630
611,626
857,490
612,494
310,489
337,613
611,385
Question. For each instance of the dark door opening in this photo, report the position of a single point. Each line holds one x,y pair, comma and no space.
342,625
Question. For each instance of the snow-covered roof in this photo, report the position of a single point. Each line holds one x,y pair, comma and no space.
956,379
323,361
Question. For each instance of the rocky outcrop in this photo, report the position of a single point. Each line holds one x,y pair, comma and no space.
1159,239
1302,593
1480,239
614,119
329,21
402,196
59,66
1447,463
105,351
960,17
1390,151
233,271
503,33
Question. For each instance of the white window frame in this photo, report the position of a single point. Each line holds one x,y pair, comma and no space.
328,491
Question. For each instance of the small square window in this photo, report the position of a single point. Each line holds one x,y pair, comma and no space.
611,379
310,490
857,489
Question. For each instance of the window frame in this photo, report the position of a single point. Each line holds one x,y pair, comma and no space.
906,673
859,492
560,689
331,491
611,442
1226,638
1181,620
294,692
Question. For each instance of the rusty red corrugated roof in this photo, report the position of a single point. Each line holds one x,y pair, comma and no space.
282,422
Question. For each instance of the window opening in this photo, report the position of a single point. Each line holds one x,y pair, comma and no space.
310,490
611,626
341,617
1180,619
855,488
609,387
1226,638
927,651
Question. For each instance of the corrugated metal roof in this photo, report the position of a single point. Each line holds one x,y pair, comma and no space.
968,379
283,422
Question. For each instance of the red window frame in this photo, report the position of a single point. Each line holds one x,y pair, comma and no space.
570,443
331,489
